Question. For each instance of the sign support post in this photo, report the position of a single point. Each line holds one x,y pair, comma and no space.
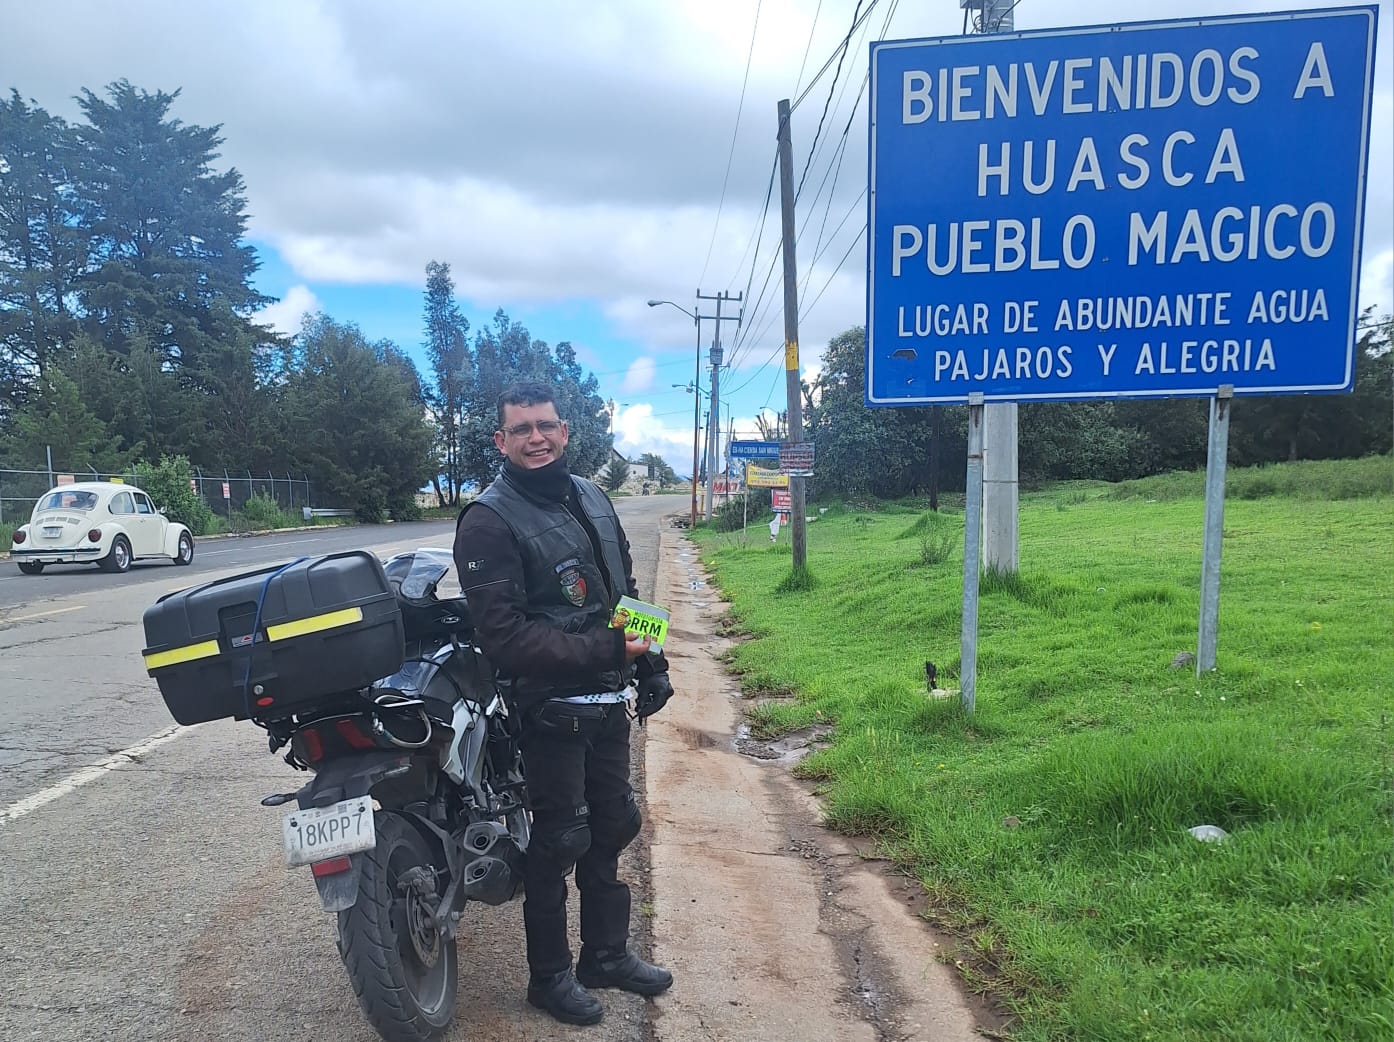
798,525
1216,460
745,499
972,549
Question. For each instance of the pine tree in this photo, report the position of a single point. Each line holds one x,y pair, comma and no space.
447,347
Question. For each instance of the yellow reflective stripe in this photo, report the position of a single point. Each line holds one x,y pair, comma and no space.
314,624
174,656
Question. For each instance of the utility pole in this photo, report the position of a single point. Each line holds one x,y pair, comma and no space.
1001,495
714,426
798,523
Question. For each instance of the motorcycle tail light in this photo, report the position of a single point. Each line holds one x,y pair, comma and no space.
351,732
332,867
94,536
18,537
314,746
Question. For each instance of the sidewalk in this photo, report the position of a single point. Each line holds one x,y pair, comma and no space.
775,929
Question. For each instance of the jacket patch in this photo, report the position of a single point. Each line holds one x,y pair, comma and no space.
573,583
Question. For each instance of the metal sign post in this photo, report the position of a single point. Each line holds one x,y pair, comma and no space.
1216,459
972,549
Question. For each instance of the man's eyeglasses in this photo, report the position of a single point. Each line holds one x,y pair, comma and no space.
546,428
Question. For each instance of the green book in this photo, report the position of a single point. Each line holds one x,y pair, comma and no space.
647,620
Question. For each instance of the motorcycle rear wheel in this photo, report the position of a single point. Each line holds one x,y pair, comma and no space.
402,970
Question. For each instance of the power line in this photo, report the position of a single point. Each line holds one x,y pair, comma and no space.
808,46
809,309
759,233
836,51
757,314
842,144
842,54
732,153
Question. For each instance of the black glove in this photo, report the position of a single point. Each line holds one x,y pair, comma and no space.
654,692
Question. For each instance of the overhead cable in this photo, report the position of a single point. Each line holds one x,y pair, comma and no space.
833,57
732,153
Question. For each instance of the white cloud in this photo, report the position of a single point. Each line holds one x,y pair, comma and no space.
286,314
638,431
639,377
552,154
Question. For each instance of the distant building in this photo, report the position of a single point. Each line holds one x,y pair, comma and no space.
638,475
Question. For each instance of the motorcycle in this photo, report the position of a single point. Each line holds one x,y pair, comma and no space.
416,806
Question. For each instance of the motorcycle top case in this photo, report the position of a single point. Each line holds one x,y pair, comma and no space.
327,626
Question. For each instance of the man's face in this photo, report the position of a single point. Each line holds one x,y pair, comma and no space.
531,448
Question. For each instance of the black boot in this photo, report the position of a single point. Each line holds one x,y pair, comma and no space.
623,970
560,995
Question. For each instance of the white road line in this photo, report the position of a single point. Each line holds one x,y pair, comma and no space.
42,614
92,773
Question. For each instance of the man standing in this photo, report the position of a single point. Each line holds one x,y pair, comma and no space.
543,560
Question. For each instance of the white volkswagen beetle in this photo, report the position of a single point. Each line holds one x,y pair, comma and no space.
102,522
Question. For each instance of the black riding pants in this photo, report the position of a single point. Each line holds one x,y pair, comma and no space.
583,814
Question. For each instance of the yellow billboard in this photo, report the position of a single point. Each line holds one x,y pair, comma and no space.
756,478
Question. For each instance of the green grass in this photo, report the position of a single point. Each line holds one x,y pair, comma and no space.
1314,479
1049,828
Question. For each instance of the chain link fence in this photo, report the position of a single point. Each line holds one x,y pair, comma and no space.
226,492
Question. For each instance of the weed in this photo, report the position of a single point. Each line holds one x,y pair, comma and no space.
937,547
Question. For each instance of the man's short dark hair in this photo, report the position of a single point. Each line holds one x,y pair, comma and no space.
525,394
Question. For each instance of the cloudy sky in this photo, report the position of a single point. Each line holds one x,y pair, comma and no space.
570,161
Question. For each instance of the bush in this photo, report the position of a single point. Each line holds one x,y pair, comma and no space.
261,513
169,484
407,510
734,513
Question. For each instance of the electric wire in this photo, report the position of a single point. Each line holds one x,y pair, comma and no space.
758,236
832,57
744,340
809,310
841,154
808,46
842,55
731,155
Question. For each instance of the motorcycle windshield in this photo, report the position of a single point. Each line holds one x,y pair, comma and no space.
432,574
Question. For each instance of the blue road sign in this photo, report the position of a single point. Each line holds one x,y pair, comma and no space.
754,450
1143,210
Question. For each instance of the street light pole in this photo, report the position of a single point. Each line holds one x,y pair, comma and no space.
697,374
696,399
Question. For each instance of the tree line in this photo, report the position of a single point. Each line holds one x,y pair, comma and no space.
128,329
920,450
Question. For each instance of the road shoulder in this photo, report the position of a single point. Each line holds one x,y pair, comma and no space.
775,929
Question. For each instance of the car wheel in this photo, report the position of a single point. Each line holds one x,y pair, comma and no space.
118,558
186,549
31,567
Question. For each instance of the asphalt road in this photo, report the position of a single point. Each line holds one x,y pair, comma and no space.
144,891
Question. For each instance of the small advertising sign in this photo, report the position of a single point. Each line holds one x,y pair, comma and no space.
779,501
758,478
227,490
64,479
797,459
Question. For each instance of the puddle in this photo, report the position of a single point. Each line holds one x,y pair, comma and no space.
791,748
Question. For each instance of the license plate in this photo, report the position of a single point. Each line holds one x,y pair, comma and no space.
53,531
324,832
